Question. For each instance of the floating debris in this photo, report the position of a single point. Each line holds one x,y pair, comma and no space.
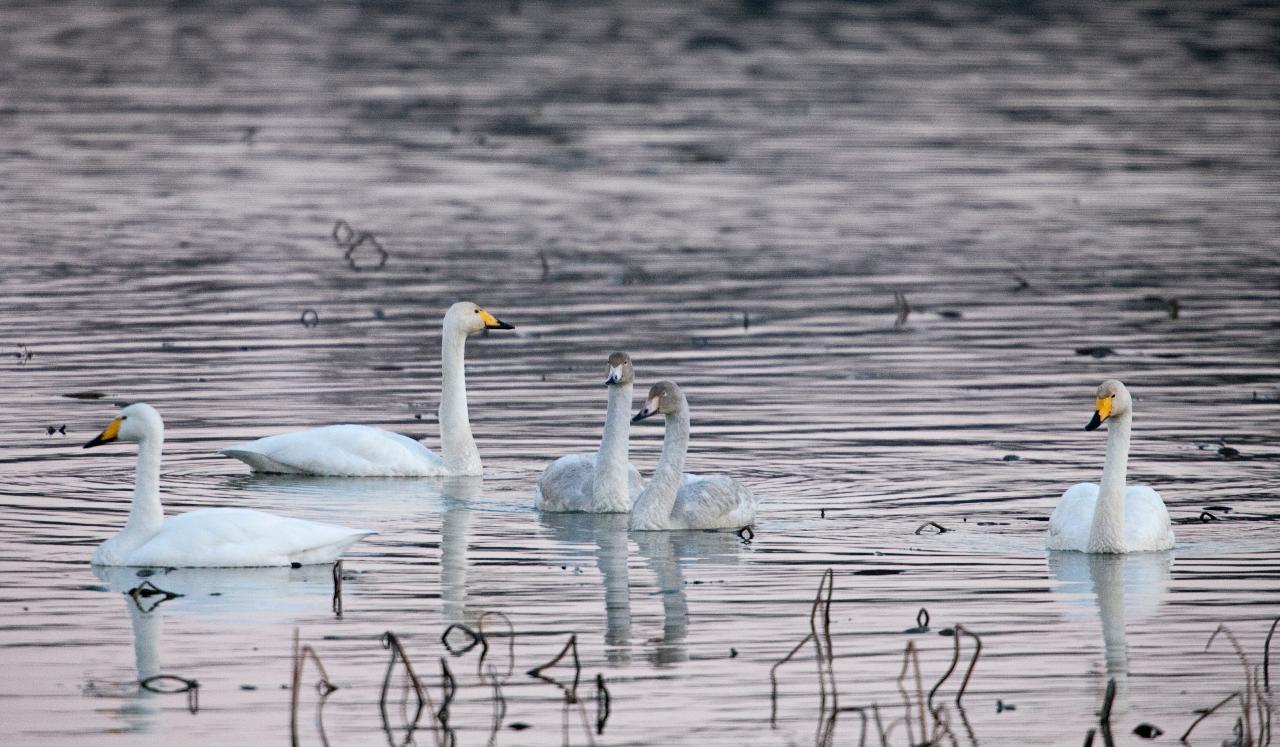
941,529
1096,352
903,310
24,354
310,318
1229,453
746,534
56,429
922,622
351,241
85,395
1010,458
1147,731
170,684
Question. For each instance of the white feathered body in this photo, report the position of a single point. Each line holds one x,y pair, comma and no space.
1146,519
341,451
230,537
712,503
567,484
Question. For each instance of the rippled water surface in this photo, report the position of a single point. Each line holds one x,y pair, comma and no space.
731,193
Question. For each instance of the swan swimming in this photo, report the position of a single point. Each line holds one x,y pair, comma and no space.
207,537
1112,518
603,481
674,500
363,451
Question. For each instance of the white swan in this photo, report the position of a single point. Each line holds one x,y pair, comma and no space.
362,451
1112,518
603,481
674,500
208,537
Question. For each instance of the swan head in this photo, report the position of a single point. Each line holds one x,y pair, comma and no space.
1113,399
620,370
664,397
134,423
469,319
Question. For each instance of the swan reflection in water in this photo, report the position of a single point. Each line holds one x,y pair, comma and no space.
207,593
665,554
388,503
1127,588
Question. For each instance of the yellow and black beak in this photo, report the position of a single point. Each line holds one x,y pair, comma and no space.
492,322
108,435
1101,411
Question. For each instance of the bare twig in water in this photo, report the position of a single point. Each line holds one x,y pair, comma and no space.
1104,717
903,309
1088,737
572,645
165,684
861,711
337,587
1266,656
392,642
449,686
910,656
941,529
773,679
1246,700
475,639
511,641
824,654
955,659
324,686
602,703
1208,712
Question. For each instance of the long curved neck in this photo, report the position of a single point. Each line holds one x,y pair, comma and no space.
146,515
1107,532
457,446
653,507
609,488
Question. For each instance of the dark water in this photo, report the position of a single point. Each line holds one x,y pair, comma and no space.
731,193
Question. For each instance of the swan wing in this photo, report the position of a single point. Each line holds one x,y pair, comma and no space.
238,537
635,483
1072,518
565,484
342,451
1146,520
713,503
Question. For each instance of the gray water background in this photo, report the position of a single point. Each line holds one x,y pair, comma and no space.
731,193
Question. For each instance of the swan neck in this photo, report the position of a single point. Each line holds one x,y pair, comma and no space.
146,515
1107,531
457,446
653,507
609,487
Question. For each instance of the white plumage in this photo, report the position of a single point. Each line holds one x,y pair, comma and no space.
1111,517
603,481
341,450
1146,519
362,451
206,538
566,484
674,500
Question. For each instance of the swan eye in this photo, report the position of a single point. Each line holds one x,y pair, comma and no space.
124,417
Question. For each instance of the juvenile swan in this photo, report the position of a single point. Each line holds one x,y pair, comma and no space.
1112,518
674,500
601,482
208,537
362,451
